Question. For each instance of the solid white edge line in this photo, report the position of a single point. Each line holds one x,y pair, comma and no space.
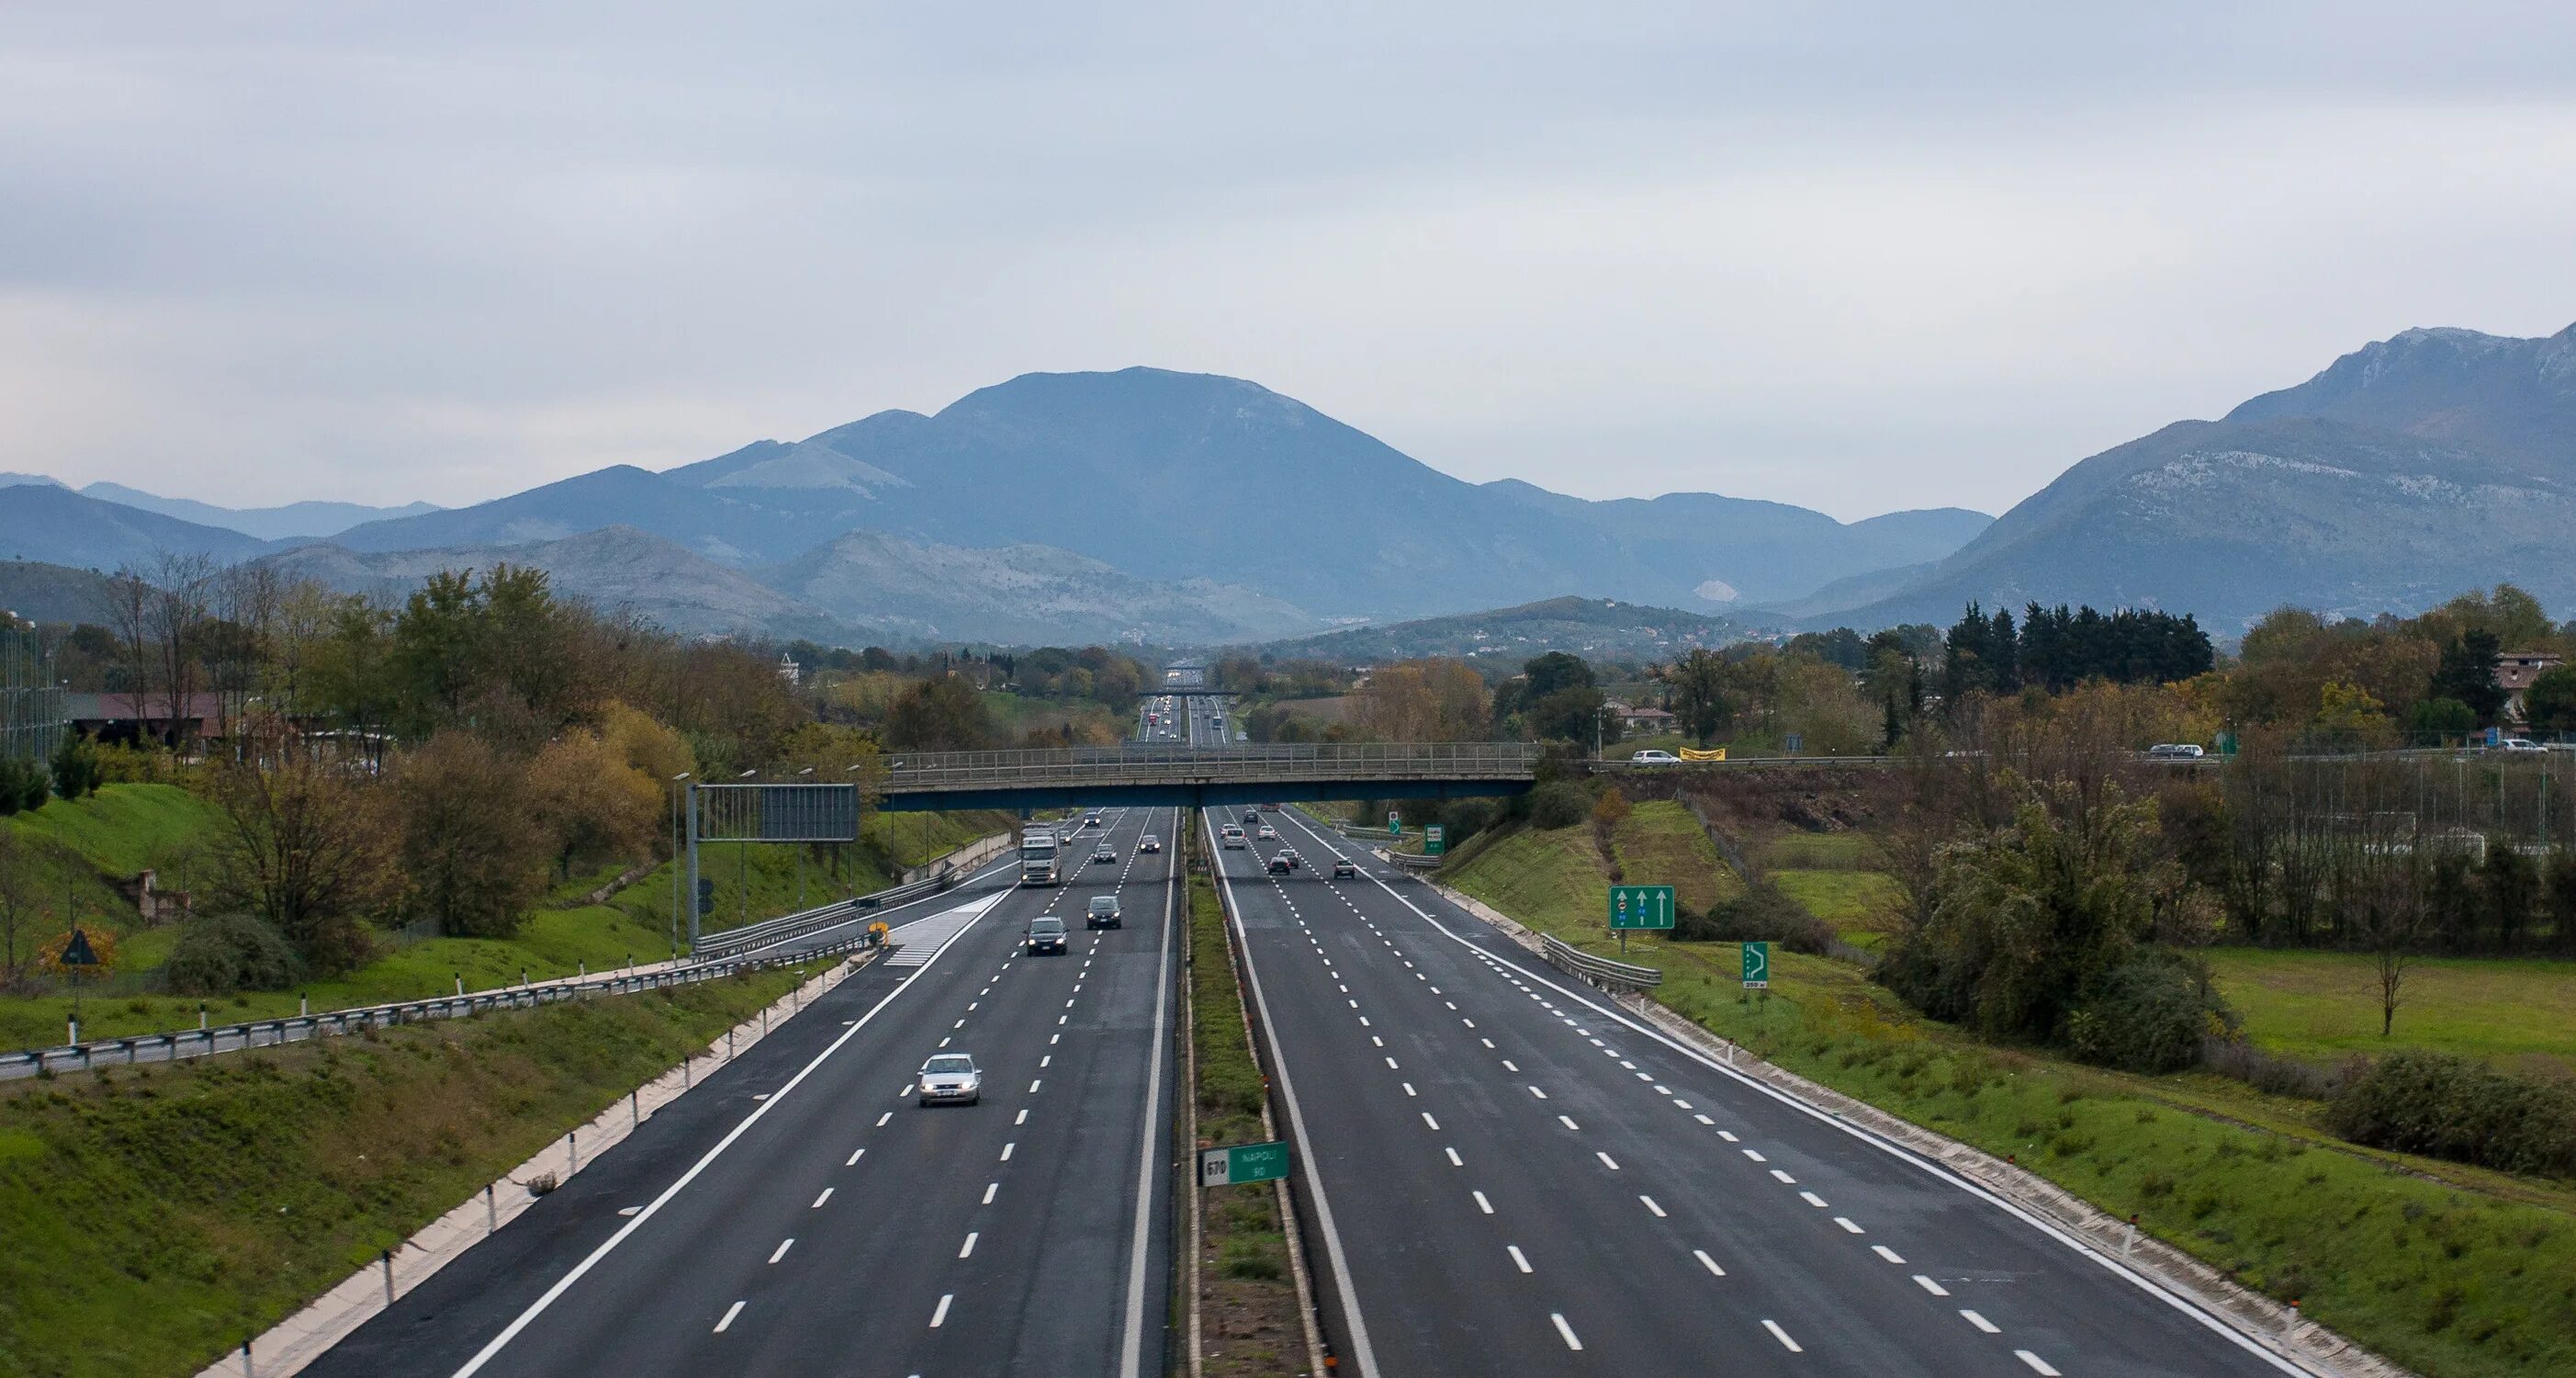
564,1284
2186,1305
1131,1348
1362,1354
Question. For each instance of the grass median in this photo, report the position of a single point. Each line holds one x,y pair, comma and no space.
157,1214
1248,1321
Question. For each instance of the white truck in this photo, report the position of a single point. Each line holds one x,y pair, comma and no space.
1040,862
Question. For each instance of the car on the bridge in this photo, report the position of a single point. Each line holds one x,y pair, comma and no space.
1652,757
951,1077
1149,844
1280,865
1345,869
1102,853
1046,934
1103,913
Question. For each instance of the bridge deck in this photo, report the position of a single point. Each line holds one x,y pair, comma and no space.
1148,775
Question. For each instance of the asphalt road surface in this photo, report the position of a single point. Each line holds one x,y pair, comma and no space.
801,1215
1513,1176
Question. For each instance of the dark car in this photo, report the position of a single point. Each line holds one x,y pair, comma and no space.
1345,869
1149,844
1251,815
1046,935
1279,865
1103,913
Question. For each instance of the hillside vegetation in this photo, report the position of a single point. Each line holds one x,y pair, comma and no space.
157,1214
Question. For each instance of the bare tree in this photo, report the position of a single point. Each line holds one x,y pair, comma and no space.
248,602
125,604
178,616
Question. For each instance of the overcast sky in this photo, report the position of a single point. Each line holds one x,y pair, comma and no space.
1855,257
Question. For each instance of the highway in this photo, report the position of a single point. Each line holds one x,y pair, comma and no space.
799,1214
1510,1175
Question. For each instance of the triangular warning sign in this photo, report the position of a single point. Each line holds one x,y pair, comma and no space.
77,953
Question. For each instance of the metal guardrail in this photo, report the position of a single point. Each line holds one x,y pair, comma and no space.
933,772
1412,861
1575,961
263,1033
787,927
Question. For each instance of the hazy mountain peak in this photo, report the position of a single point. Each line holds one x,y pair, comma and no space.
8,480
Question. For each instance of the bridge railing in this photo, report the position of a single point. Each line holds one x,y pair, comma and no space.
1147,764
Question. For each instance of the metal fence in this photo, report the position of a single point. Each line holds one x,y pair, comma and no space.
31,701
263,1033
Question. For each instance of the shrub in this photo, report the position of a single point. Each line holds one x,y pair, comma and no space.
75,767
2452,1107
1559,804
22,786
228,953
2147,1014
1763,913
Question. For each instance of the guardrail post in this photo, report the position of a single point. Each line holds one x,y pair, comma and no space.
247,1370
460,982
584,966
2130,1244
389,1276
572,1146
201,1015
491,1211
634,1109
728,1045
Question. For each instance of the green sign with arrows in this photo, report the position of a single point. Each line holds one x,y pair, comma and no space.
1241,1163
1757,966
1641,906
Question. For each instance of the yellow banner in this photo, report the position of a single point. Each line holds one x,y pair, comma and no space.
1689,754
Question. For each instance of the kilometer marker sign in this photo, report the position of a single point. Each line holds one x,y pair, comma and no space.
1240,1163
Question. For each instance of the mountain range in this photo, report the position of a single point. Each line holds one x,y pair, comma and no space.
1190,509
2408,471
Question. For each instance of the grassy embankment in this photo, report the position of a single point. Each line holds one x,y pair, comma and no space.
158,1214
125,828
1247,1300
2452,1271
1835,876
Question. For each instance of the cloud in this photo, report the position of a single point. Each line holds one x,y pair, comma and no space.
1853,257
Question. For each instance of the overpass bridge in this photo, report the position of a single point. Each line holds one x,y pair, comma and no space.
1155,777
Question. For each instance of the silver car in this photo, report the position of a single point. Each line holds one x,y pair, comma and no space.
951,1077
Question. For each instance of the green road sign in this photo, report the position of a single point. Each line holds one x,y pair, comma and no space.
1434,841
1241,1163
1641,906
1395,823
1757,966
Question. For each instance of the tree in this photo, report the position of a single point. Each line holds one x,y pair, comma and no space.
2468,673
473,861
2385,911
590,803
21,903
2549,705
1564,715
305,845
2349,715
1699,693
1554,671
942,713
2438,719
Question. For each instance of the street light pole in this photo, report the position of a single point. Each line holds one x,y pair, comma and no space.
676,784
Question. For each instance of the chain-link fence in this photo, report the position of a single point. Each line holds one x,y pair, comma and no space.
31,700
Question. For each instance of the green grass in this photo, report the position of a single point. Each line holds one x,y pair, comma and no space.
158,1214
2324,1006
2454,1272
561,938
1660,843
124,828
1844,851
1248,1301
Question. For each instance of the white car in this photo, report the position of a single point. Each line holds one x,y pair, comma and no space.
2175,751
1654,758
2519,744
951,1077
